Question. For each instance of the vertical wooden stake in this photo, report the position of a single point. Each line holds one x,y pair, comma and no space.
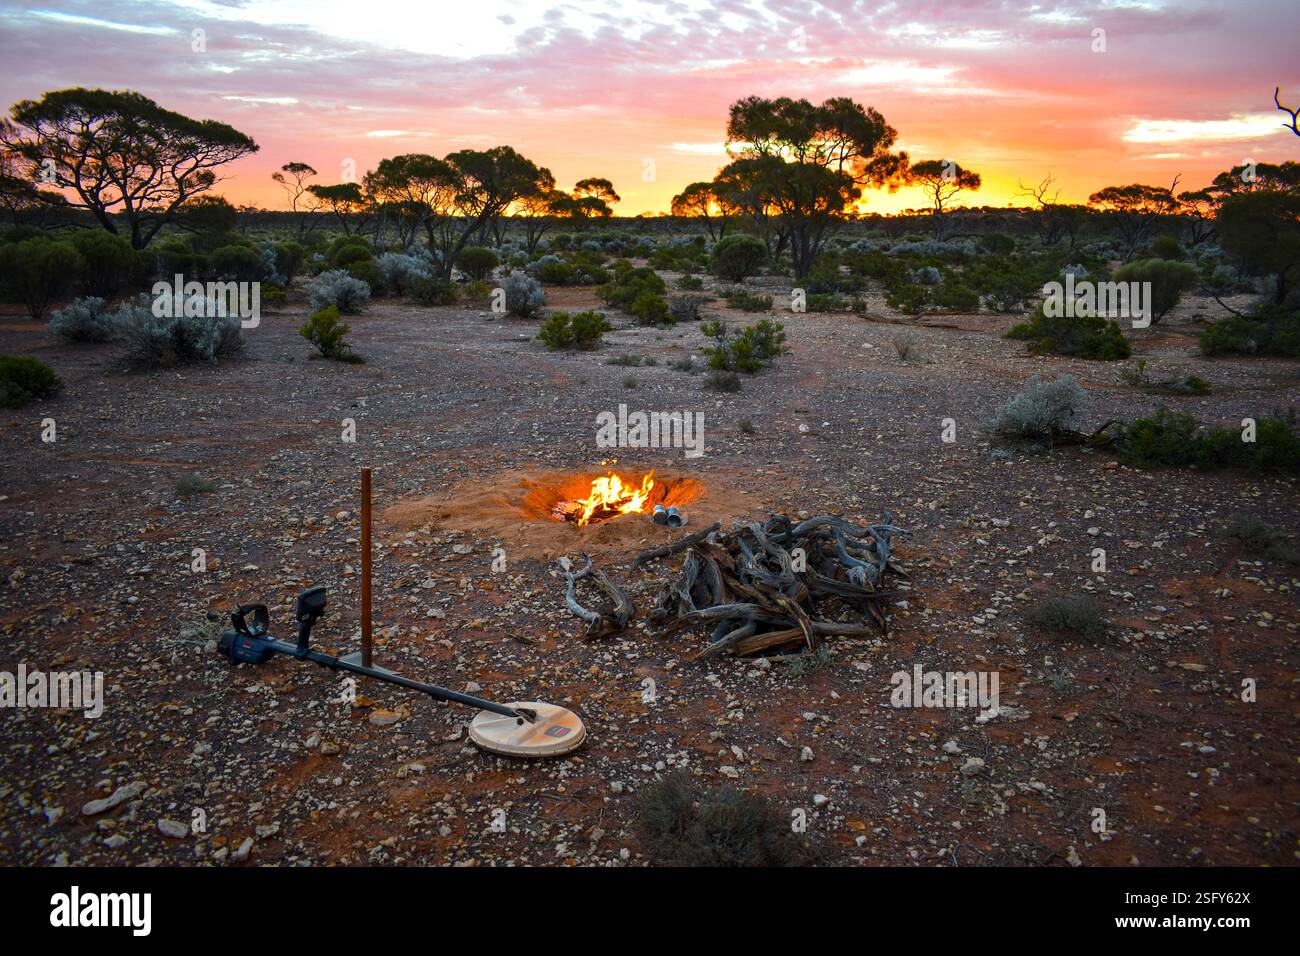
365,567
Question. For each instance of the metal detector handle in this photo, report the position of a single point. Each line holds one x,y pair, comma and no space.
311,605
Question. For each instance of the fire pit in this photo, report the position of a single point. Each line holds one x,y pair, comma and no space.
610,496
542,512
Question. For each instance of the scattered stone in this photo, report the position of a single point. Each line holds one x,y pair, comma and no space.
173,828
123,793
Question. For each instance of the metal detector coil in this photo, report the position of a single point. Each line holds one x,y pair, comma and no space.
554,731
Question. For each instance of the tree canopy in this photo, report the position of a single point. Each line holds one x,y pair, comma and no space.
118,154
798,169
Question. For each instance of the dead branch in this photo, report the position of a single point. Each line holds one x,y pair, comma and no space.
645,557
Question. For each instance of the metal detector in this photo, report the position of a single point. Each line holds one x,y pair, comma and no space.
520,729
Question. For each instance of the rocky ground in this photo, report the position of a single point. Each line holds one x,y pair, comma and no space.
273,766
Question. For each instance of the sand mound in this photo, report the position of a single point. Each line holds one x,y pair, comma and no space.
516,507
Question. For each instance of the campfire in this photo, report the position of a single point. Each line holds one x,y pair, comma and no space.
609,497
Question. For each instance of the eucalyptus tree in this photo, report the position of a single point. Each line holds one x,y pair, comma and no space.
942,181
120,156
798,169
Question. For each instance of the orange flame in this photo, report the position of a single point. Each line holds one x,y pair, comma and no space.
611,494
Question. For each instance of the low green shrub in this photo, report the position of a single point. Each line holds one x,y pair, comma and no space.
744,301
325,331
650,308
345,250
368,271
955,297
24,380
237,263
1259,539
37,271
627,284
477,262
1171,439
1138,377
1087,337
1165,247
826,302
581,330
432,290
997,244
738,257
192,485
290,257
754,348
1269,329
908,298
1168,280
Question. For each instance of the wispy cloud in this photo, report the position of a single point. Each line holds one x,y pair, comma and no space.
1183,131
593,87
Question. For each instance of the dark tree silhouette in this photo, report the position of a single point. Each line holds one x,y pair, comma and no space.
799,168
293,177
119,155
700,201
942,181
1277,93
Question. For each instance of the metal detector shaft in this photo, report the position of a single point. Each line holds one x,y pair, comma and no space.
433,690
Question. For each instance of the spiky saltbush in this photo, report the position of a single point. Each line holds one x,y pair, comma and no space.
535,267
400,272
1074,614
524,295
1046,409
868,245
928,275
680,823
154,341
271,265
346,293
934,248
84,320
686,308
1104,250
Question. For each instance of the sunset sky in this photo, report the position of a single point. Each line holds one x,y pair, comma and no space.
634,90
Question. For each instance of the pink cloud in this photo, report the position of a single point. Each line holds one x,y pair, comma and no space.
1013,89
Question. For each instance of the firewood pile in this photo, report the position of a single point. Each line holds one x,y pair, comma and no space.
765,586
761,587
